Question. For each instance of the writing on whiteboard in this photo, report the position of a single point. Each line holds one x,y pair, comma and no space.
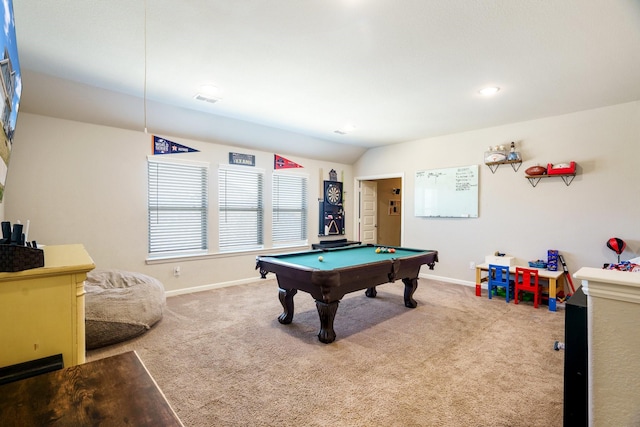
451,192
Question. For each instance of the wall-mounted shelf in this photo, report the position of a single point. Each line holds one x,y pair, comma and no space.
515,164
566,177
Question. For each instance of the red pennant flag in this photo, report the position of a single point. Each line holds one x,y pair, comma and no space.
280,162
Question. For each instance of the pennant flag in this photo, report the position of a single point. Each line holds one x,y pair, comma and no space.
164,146
280,162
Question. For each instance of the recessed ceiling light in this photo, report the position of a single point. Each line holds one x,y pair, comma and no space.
488,91
345,129
208,92
209,89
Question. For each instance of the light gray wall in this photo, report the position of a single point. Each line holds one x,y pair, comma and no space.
82,183
516,218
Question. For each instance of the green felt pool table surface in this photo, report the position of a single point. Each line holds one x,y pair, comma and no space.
344,257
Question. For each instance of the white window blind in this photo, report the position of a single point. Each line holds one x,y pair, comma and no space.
178,207
241,211
289,210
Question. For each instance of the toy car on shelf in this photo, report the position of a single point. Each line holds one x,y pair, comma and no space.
538,264
561,168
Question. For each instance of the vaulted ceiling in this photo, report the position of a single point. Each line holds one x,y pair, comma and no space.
290,73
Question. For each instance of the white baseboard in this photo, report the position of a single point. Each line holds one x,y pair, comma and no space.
209,287
253,279
448,280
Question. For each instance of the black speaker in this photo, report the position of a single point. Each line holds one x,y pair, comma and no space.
576,394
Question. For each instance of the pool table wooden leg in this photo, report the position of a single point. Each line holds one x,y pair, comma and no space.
286,299
371,292
327,312
410,286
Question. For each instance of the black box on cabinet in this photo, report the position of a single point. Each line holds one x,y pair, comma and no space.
17,258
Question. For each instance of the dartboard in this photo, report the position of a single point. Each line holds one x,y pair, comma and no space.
333,192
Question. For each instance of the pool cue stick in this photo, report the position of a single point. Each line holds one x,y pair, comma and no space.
566,272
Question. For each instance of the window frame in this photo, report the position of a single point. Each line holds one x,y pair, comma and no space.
244,237
182,201
285,208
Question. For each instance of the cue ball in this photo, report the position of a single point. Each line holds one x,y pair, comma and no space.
320,259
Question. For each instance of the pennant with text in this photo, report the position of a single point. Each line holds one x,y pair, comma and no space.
164,146
280,162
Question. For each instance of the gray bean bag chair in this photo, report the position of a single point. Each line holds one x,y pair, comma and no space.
120,305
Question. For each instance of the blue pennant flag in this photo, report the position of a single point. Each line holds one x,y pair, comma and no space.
164,146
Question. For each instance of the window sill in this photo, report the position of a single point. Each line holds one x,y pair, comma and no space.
219,255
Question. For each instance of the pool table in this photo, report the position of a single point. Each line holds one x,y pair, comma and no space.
339,272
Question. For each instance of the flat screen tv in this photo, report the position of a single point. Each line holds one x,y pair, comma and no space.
10,88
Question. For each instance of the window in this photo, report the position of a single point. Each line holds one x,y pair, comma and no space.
241,211
289,210
178,207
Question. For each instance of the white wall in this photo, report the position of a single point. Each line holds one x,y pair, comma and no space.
82,183
516,218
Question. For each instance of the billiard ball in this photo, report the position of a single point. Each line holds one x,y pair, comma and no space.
320,258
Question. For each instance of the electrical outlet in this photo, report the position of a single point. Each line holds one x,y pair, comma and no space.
472,265
176,271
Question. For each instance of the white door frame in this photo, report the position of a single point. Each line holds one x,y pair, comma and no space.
357,207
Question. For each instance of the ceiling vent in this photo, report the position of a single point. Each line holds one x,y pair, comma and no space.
209,99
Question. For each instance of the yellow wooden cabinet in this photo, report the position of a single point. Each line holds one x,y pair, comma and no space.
42,309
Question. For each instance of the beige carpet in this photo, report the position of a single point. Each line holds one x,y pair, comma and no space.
222,359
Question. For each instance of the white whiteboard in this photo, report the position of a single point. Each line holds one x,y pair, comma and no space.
451,192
